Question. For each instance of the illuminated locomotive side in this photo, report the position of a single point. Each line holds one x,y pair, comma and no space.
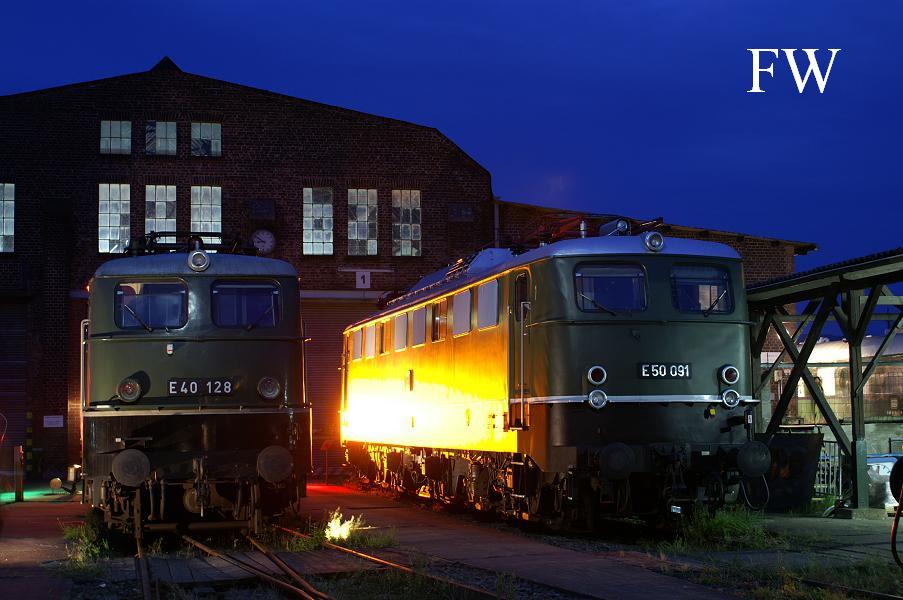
588,376
193,408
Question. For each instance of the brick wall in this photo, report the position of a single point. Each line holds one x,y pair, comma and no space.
273,147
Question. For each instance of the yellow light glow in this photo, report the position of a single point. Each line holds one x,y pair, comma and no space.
336,529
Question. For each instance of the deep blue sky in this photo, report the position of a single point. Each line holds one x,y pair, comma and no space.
637,108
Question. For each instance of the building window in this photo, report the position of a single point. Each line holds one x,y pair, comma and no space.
206,139
113,211
362,222
160,210
440,320
406,221
7,216
317,234
207,211
161,138
115,137
461,310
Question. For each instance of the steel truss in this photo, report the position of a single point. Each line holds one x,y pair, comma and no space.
847,293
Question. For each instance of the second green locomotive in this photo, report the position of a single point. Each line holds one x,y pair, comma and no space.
591,376
193,406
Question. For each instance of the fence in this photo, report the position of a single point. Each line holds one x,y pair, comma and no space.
829,476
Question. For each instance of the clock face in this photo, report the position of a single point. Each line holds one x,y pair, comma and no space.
264,241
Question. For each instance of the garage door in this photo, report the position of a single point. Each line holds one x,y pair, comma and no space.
12,375
324,322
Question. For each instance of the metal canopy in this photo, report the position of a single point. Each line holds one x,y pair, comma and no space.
848,293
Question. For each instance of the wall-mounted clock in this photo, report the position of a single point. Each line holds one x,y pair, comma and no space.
264,240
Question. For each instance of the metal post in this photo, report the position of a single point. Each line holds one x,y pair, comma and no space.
859,321
19,472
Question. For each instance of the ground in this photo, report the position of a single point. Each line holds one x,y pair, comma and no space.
514,561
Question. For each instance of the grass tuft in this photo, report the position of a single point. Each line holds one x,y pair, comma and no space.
85,546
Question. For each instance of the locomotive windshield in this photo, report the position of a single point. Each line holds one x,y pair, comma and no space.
702,289
144,305
245,304
610,288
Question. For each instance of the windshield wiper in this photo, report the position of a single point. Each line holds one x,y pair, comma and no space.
708,311
137,318
597,305
257,321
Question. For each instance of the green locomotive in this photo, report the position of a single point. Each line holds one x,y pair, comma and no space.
606,375
192,398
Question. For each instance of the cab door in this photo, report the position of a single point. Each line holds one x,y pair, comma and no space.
520,357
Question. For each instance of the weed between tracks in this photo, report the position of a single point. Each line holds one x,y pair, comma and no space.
391,585
362,537
85,546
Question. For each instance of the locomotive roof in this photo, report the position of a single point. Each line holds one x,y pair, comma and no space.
498,260
176,263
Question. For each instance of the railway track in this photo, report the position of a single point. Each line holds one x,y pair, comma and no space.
299,587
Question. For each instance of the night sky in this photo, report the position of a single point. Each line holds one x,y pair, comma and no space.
637,108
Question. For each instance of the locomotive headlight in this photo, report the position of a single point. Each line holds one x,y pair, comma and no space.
269,388
198,261
654,241
597,375
731,398
129,390
597,399
729,374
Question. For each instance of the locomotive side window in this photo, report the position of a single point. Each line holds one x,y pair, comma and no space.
370,341
488,304
385,336
401,331
461,309
440,320
144,305
701,288
245,304
356,345
610,288
418,326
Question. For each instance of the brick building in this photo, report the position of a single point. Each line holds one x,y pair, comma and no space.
361,205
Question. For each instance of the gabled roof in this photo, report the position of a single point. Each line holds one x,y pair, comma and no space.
166,66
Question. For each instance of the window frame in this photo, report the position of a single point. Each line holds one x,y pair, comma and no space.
110,137
155,151
395,331
412,325
10,189
622,311
370,346
120,187
214,153
370,202
183,317
308,192
729,285
455,296
439,324
399,222
495,313
358,344
277,313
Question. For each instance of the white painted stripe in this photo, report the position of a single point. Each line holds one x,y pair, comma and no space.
650,399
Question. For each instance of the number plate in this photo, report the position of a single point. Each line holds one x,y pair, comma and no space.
215,386
664,370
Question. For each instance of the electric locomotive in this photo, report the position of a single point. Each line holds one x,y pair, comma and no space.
591,376
192,398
